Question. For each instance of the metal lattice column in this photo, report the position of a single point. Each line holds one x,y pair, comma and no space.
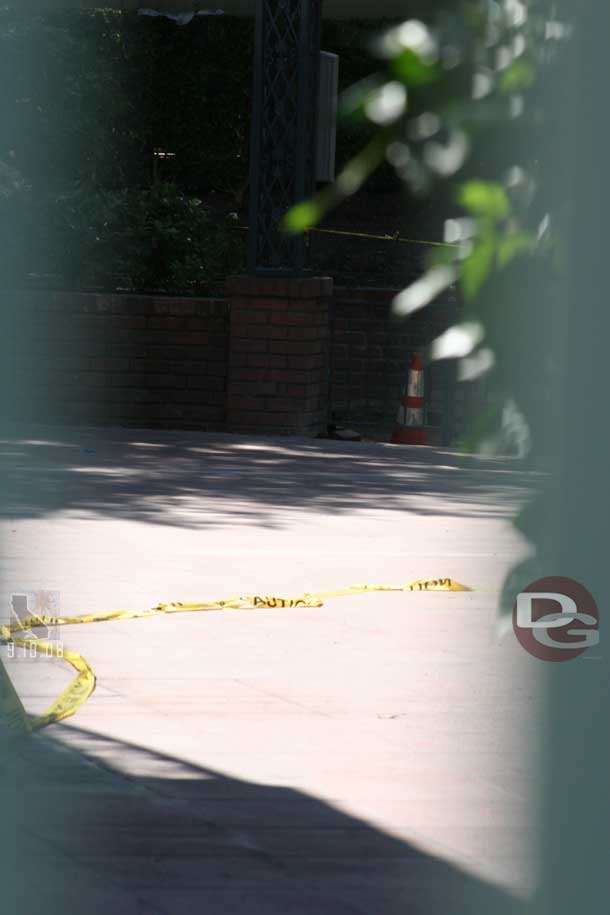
283,137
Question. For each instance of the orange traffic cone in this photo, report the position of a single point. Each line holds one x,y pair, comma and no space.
409,428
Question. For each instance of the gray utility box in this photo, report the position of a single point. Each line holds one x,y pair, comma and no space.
327,117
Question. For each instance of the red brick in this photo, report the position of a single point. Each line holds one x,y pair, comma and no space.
198,323
239,301
249,346
313,403
268,388
317,418
288,404
130,305
278,361
121,322
191,337
242,315
167,322
304,333
189,395
209,384
255,421
276,286
240,359
97,304
217,398
168,305
297,362
294,347
166,381
278,332
273,305
249,374
354,338
281,421
193,366
291,317
257,360
150,365
262,304
290,375
244,404
297,390
256,332
252,389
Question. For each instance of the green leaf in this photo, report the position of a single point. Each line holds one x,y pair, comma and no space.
409,68
438,256
477,266
484,198
511,246
302,217
481,427
519,75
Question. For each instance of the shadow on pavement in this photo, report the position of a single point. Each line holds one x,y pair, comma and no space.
165,837
198,480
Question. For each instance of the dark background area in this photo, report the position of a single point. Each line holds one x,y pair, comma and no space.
124,157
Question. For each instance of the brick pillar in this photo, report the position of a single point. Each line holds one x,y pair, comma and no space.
278,354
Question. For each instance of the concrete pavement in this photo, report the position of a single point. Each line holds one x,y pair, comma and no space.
376,755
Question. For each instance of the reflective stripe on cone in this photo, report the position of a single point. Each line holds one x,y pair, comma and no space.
409,428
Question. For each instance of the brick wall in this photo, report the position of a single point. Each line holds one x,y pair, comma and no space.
164,362
278,366
118,359
370,355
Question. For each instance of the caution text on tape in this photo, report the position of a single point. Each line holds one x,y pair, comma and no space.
83,685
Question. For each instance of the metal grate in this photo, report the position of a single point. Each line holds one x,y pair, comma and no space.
283,139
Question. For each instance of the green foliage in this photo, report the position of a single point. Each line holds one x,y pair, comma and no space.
484,198
87,97
494,246
157,238
477,266
413,71
513,245
473,119
302,217
521,74
151,239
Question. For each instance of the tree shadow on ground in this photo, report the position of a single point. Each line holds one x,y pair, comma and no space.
197,480
97,825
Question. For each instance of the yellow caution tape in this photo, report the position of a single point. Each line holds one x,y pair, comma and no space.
79,690
423,584
396,237
75,694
